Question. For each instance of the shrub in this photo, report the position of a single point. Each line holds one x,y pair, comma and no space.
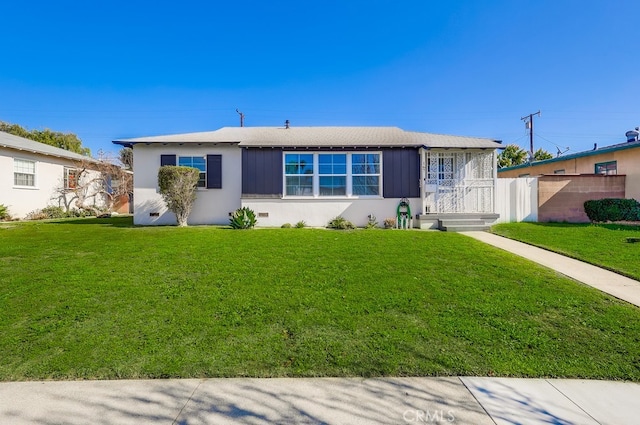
178,189
340,223
4,213
372,222
286,226
36,215
612,209
390,223
54,212
243,218
301,224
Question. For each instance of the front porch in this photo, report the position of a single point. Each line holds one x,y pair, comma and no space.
457,189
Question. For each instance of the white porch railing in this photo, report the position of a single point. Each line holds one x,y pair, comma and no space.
458,182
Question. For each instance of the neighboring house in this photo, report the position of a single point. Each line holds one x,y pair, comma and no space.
34,175
287,174
622,158
564,183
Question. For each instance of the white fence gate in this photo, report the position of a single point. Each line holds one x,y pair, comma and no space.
517,199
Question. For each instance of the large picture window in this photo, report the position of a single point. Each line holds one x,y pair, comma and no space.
198,162
24,173
332,174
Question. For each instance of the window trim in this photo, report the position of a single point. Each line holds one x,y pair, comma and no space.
316,175
35,174
606,164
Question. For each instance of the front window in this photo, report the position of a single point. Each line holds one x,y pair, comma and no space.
198,162
332,169
365,169
332,174
24,173
70,178
610,167
298,169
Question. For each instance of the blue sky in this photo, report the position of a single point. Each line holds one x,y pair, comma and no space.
120,69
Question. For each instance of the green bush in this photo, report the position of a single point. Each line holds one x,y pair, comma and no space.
54,212
4,213
612,209
178,190
301,224
340,223
243,218
286,226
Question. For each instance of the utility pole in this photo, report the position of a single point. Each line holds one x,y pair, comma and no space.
528,123
241,117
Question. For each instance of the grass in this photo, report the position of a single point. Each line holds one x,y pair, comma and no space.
606,245
100,299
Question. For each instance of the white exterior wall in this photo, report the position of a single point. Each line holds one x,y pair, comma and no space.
212,206
517,199
48,178
318,212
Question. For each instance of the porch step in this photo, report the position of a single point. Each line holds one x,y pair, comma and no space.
464,227
452,222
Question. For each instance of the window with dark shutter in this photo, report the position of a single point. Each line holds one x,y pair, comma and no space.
167,160
214,171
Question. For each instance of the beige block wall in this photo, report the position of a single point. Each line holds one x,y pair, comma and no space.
628,163
562,197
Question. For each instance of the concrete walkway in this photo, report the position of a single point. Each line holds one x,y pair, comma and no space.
612,283
465,400
321,401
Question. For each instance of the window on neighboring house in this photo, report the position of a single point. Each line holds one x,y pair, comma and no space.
558,171
332,174
198,162
24,173
523,175
70,178
610,167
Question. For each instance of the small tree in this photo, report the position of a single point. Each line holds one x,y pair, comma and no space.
178,189
512,155
94,184
541,155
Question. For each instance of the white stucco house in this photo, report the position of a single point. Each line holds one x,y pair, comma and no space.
287,174
32,175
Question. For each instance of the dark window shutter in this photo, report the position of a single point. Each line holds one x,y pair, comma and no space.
214,171
167,160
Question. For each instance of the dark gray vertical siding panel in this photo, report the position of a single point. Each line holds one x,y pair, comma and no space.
401,173
262,171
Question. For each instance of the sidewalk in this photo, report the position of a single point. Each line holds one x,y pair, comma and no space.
321,401
612,283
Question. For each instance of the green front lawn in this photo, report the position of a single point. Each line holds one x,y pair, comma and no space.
102,299
604,245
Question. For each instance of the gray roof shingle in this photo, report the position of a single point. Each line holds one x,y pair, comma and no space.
20,143
320,137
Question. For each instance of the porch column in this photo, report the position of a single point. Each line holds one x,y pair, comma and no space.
423,177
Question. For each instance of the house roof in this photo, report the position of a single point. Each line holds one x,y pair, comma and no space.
20,143
606,149
320,137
